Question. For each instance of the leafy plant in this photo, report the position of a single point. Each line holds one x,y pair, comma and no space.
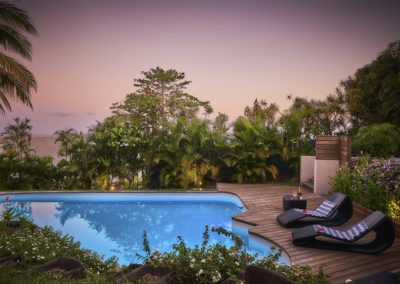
378,140
42,245
212,263
8,216
373,183
30,246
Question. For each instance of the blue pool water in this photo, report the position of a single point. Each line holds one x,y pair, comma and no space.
113,223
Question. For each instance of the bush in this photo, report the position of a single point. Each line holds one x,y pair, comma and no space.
215,263
373,183
36,246
378,140
31,245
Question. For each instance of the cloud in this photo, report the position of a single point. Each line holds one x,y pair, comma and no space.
90,113
61,114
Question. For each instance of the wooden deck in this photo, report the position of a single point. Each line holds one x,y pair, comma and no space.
264,203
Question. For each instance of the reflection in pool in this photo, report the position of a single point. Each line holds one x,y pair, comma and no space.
113,223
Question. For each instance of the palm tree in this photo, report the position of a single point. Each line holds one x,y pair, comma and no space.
16,81
65,138
17,138
184,161
252,146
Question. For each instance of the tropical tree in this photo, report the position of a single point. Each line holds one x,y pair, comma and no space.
184,160
117,143
159,100
19,167
168,86
220,149
252,145
17,139
262,112
80,168
372,94
65,138
378,140
306,119
16,81
84,163
160,97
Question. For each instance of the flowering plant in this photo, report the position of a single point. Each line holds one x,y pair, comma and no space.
374,183
214,263
385,174
32,245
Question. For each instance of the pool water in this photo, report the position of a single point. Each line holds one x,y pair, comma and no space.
113,223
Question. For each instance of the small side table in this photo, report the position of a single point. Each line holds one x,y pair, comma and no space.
293,202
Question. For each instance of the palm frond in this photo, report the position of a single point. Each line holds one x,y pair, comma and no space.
12,15
12,40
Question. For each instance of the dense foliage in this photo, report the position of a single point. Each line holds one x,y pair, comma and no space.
213,263
378,140
160,136
30,246
374,183
372,94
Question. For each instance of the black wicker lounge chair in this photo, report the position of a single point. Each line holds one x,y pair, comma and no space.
352,239
334,211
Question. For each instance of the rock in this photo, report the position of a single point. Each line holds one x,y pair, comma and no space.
10,261
261,275
148,272
65,266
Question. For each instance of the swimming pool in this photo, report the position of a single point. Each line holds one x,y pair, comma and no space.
113,223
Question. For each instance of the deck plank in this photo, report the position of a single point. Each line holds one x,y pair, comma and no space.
264,203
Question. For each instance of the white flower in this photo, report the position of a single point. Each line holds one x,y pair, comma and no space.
216,277
200,272
203,261
237,263
192,260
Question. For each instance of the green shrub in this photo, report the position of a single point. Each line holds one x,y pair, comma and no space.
378,140
212,263
37,246
373,183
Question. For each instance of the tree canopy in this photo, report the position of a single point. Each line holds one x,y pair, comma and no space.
159,136
373,93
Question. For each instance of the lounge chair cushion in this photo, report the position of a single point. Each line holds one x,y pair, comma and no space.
323,211
333,211
378,222
349,235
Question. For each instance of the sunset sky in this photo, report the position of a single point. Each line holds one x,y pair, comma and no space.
89,51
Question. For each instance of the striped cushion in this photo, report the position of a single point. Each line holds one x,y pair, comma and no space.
347,235
324,210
